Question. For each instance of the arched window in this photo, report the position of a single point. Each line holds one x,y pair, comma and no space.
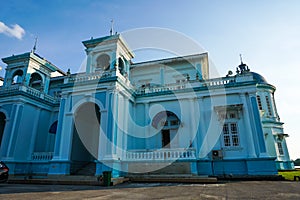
103,62
259,102
17,77
165,119
169,124
2,125
269,106
53,127
280,148
36,81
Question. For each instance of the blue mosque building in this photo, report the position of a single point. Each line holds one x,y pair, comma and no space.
157,117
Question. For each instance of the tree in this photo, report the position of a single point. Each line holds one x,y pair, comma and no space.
297,162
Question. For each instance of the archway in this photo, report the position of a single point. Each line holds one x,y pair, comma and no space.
121,66
169,123
2,125
17,77
36,81
85,140
103,62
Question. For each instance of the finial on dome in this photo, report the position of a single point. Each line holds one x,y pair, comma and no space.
242,67
241,58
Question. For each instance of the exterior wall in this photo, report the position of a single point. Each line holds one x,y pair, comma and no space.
127,139
273,128
12,68
26,133
167,72
27,145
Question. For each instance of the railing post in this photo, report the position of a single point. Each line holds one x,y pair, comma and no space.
163,154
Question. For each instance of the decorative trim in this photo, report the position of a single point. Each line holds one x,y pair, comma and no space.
223,110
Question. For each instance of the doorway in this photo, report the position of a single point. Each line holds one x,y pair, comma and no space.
166,139
85,141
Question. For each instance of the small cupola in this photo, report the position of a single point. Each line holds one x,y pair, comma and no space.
29,69
108,55
242,68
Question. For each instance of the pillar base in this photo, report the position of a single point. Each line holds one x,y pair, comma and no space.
59,167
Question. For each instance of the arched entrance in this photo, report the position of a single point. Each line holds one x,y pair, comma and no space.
85,141
169,123
2,125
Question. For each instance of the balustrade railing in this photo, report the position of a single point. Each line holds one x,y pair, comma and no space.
161,154
28,90
188,84
42,156
89,77
219,81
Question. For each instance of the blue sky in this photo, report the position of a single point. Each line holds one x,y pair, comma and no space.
266,32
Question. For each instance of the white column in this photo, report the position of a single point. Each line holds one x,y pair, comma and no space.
66,133
108,126
59,133
114,61
115,120
162,75
120,125
202,128
194,119
274,105
248,130
14,129
46,84
146,127
89,62
34,132
66,139
103,140
126,116
257,129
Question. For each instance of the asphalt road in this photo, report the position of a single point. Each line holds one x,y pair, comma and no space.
229,190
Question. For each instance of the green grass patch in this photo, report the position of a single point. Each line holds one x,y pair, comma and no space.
289,175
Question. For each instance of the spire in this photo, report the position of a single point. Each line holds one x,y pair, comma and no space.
242,67
34,47
112,27
241,59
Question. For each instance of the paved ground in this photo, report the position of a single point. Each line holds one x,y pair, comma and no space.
230,190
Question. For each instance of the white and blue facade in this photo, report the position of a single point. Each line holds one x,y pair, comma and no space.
163,117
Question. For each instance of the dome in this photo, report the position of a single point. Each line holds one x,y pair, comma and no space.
258,78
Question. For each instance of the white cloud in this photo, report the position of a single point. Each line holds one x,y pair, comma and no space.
13,31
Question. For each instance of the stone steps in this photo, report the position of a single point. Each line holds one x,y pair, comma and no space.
174,178
93,180
63,180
